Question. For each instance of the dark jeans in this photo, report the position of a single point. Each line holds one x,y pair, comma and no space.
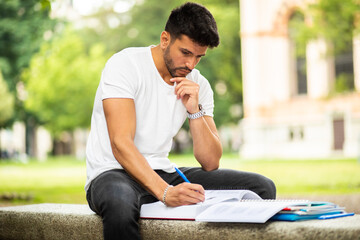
117,198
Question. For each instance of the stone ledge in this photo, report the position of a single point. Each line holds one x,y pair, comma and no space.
74,221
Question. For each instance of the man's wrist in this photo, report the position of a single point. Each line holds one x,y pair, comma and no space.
165,192
197,114
195,109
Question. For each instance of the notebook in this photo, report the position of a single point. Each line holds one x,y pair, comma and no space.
222,206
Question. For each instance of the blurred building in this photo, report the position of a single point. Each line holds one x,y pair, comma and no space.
290,110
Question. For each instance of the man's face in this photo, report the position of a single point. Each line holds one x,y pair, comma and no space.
182,55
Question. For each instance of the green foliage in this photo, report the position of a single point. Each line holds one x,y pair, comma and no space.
334,20
6,102
61,82
299,33
344,83
22,25
224,63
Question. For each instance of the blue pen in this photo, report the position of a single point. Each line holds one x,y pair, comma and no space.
182,175
335,215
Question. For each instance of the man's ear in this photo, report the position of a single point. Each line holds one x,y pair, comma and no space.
165,40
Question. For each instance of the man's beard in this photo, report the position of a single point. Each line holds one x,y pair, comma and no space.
170,64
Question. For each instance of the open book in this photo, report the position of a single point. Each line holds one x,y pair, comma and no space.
222,206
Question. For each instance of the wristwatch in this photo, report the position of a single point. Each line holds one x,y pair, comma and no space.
197,114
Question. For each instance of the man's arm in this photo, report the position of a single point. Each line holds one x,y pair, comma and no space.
206,142
121,122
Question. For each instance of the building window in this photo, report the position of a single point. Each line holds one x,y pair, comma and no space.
301,75
298,52
344,70
296,133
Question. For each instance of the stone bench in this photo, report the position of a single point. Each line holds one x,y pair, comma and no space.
74,221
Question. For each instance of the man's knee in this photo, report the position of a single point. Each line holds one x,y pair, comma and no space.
119,195
269,188
112,195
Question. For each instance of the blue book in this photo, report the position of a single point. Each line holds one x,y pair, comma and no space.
296,217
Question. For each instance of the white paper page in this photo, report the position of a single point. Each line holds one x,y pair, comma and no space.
217,196
251,212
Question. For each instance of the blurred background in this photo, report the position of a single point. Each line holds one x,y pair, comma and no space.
286,83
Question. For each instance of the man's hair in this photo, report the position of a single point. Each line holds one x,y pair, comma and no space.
194,21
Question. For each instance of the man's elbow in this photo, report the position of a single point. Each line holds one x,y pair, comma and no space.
212,167
120,144
211,163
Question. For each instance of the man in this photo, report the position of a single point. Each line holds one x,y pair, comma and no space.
144,97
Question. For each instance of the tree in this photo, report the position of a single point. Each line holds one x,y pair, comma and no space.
22,26
6,102
223,66
61,82
6,105
345,15
334,20
337,21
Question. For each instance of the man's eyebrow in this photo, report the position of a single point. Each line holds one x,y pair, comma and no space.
188,51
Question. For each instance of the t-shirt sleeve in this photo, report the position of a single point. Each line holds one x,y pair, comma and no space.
206,96
118,78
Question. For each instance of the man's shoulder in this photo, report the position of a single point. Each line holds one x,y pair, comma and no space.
130,56
132,51
127,56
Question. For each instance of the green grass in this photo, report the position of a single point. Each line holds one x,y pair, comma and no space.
298,177
62,179
58,180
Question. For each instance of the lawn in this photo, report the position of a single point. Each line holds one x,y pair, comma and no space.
62,179
58,180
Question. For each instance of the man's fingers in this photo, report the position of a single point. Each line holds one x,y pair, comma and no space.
178,79
185,194
185,89
194,191
196,187
181,93
185,86
188,92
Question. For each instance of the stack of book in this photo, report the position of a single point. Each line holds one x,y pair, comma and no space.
312,210
243,206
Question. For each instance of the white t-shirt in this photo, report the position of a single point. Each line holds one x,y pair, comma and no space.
131,73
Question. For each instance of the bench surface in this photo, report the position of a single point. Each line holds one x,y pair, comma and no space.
76,221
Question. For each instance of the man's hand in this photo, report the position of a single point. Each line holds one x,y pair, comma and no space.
188,91
184,194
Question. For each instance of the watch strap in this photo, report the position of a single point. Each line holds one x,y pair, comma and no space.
197,114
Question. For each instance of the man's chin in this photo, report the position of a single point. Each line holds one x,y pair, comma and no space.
178,75
182,74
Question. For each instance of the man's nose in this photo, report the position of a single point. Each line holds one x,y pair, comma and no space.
191,63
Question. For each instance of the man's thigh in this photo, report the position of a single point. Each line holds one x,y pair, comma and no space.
115,188
232,179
